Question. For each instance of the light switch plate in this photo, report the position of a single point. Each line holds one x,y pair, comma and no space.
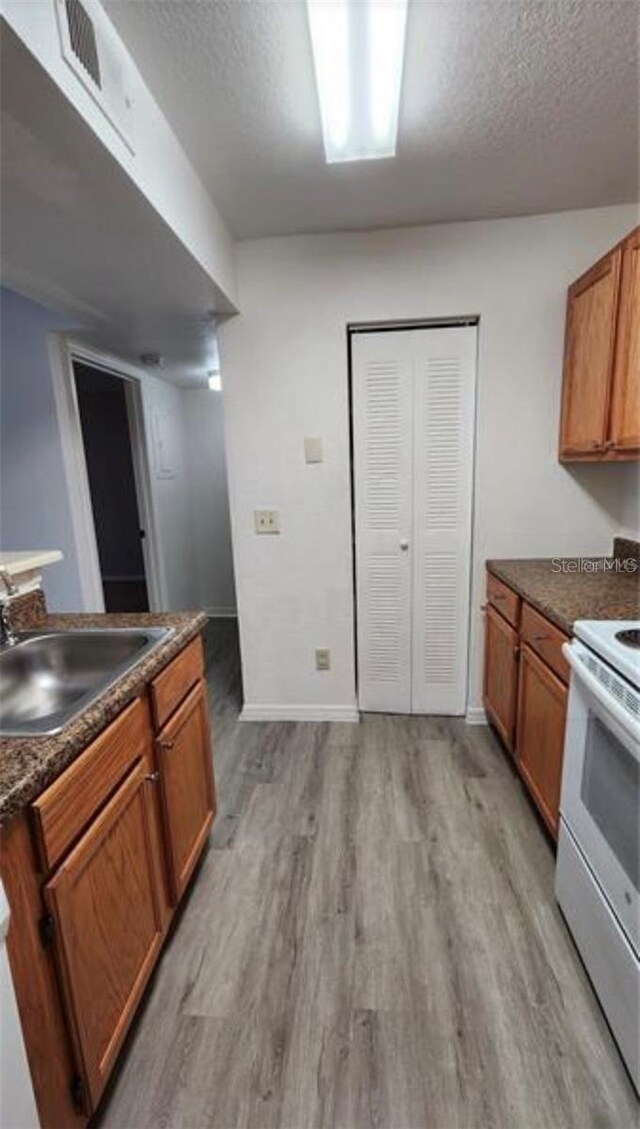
313,450
266,521
323,658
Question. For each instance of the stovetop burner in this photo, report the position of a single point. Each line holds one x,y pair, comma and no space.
630,638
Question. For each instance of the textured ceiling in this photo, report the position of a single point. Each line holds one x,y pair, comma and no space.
508,108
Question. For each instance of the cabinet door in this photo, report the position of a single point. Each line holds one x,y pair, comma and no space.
501,674
592,304
625,403
108,926
542,709
186,778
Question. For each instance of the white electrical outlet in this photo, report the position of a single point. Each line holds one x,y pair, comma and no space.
266,521
323,658
313,450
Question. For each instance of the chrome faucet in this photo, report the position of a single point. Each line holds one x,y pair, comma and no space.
7,634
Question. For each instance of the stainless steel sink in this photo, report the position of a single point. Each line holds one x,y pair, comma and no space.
48,677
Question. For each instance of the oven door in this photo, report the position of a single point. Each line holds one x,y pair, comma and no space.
600,797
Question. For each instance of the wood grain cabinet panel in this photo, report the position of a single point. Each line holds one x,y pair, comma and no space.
592,304
186,779
542,710
108,926
175,681
501,675
545,639
62,812
504,599
625,401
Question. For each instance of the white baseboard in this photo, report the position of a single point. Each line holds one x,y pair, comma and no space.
475,716
221,613
299,713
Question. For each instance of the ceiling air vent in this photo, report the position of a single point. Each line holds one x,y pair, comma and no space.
82,37
95,54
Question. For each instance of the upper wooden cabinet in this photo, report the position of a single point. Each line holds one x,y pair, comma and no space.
625,400
601,381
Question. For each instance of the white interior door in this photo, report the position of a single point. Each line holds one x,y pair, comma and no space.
383,452
443,419
413,409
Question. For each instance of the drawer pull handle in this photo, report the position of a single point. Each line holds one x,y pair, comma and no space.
499,596
539,638
165,746
152,777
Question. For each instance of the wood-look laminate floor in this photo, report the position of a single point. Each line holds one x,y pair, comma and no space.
371,941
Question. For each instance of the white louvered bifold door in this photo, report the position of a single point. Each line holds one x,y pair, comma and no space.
382,424
443,428
413,418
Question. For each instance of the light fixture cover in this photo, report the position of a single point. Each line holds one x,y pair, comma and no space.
215,382
358,52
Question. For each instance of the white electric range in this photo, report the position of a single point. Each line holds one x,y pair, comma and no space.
598,864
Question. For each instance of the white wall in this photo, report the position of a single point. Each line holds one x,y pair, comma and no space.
208,500
34,508
34,502
284,364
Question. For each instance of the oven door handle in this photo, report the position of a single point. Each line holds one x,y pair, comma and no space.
605,699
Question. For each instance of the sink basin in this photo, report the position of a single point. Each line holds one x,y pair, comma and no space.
48,677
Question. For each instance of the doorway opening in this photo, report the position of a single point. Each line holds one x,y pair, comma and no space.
107,423
412,390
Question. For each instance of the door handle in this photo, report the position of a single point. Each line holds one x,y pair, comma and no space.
404,545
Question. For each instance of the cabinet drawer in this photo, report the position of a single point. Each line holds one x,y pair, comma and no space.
174,683
545,639
64,810
504,599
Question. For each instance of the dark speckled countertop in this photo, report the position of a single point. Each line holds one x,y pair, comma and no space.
569,588
29,764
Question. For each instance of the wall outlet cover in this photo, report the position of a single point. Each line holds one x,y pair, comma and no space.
266,521
313,450
323,658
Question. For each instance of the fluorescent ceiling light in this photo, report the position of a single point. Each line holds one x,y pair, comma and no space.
358,52
215,382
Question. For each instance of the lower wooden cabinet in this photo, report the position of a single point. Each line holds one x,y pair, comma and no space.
525,693
542,710
93,871
187,789
501,675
